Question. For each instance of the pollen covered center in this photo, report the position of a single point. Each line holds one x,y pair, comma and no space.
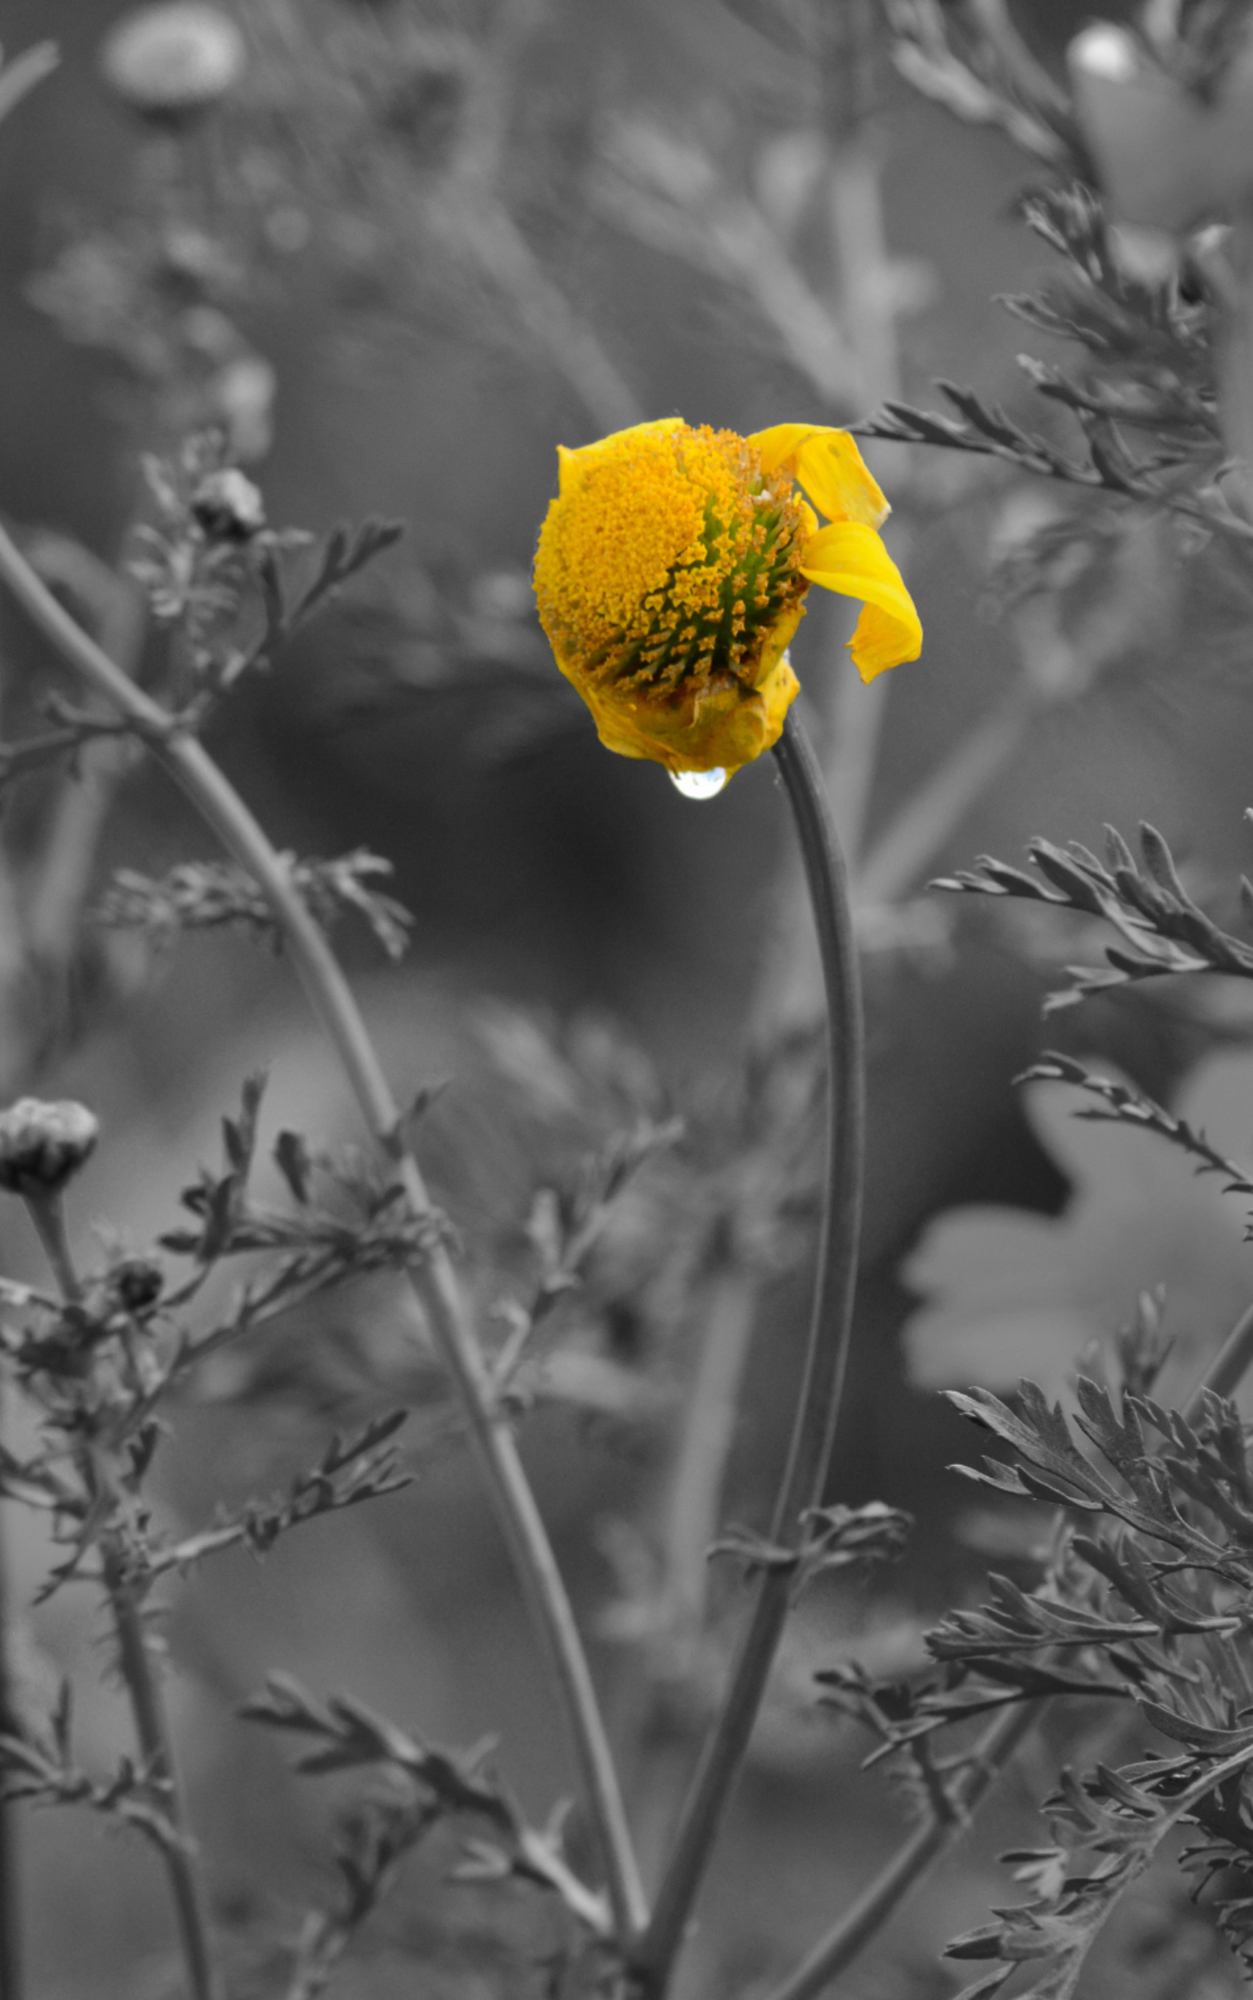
669,558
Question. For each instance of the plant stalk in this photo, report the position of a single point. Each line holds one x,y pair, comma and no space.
435,1283
1228,1368
804,1476
135,1662
10,1883
151,1731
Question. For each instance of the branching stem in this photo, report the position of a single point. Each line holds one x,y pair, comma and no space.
435,1282
804,1477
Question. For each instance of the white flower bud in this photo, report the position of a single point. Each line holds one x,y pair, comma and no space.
42,1146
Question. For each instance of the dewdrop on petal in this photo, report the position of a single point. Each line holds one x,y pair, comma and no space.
42,1146
171,62
699,785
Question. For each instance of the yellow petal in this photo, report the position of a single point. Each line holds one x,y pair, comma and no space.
572,464
851,558
829,466
696,728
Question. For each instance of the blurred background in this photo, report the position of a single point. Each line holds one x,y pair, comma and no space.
411,250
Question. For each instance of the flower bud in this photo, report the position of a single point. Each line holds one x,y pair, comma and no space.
228,506
170,62
136,1283
42,1146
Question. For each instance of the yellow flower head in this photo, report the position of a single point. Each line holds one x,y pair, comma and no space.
672,572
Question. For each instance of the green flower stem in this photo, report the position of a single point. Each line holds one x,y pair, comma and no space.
435,1282
804,1477
135,1662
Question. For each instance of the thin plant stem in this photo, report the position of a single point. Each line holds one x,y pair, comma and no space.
1227,1369
435,1282
11,1968
804,1477
148,1710
700,1469
10,1883
1235,352
138,1673
930,1842
904,850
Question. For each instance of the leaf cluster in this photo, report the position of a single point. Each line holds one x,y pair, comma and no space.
346,1735
1161,928
1144,1604
235,589
364,1466
100,1364
833,1539
207,895
37,1764
1142,399
372,1839
971,59
1122,1104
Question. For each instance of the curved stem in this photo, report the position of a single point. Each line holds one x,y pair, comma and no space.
804,1476
435,1282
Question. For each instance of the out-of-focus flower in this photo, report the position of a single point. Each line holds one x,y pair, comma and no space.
671,576
169,62
43,1145
1007,1292
242,394
1168,158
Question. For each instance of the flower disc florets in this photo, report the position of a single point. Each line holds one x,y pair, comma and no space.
676,564
43,1145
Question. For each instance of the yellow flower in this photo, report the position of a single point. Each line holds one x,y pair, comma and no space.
672,572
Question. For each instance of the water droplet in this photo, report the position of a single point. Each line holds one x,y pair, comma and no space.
699,784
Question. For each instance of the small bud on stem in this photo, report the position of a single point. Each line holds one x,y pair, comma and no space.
42,1146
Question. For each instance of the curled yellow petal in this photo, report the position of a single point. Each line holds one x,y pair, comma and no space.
828,464
850,558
